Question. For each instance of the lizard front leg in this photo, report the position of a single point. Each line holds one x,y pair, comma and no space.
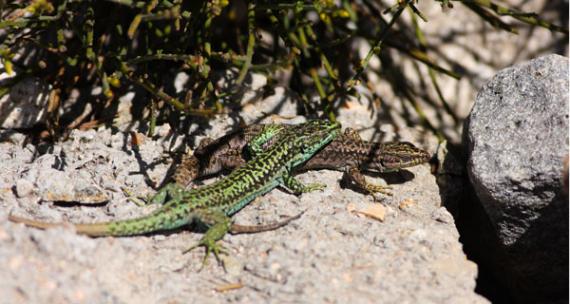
358,178
297,187
354,174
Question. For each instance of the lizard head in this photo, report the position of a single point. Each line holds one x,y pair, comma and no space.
397,155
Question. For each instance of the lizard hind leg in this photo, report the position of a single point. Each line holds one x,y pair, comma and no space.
218,225
171,191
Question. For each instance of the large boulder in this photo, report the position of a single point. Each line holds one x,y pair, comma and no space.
517,143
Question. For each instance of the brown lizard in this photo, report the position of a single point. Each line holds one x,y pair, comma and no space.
348,153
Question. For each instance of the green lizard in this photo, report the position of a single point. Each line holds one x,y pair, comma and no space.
212,205
348,152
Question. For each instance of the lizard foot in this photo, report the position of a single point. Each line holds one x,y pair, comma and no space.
210,247
297,187
378,189
314,186
139,201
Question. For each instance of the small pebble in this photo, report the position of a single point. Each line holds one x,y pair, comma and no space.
24,187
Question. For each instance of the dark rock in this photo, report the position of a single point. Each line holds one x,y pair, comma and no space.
517,142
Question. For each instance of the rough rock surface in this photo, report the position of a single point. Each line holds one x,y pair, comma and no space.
331,254
517,143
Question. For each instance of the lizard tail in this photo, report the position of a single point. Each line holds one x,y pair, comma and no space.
97,229
150,223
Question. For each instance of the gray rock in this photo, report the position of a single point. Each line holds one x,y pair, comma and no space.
330,254
517,141
59,186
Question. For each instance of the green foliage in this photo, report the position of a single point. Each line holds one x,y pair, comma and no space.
114,43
